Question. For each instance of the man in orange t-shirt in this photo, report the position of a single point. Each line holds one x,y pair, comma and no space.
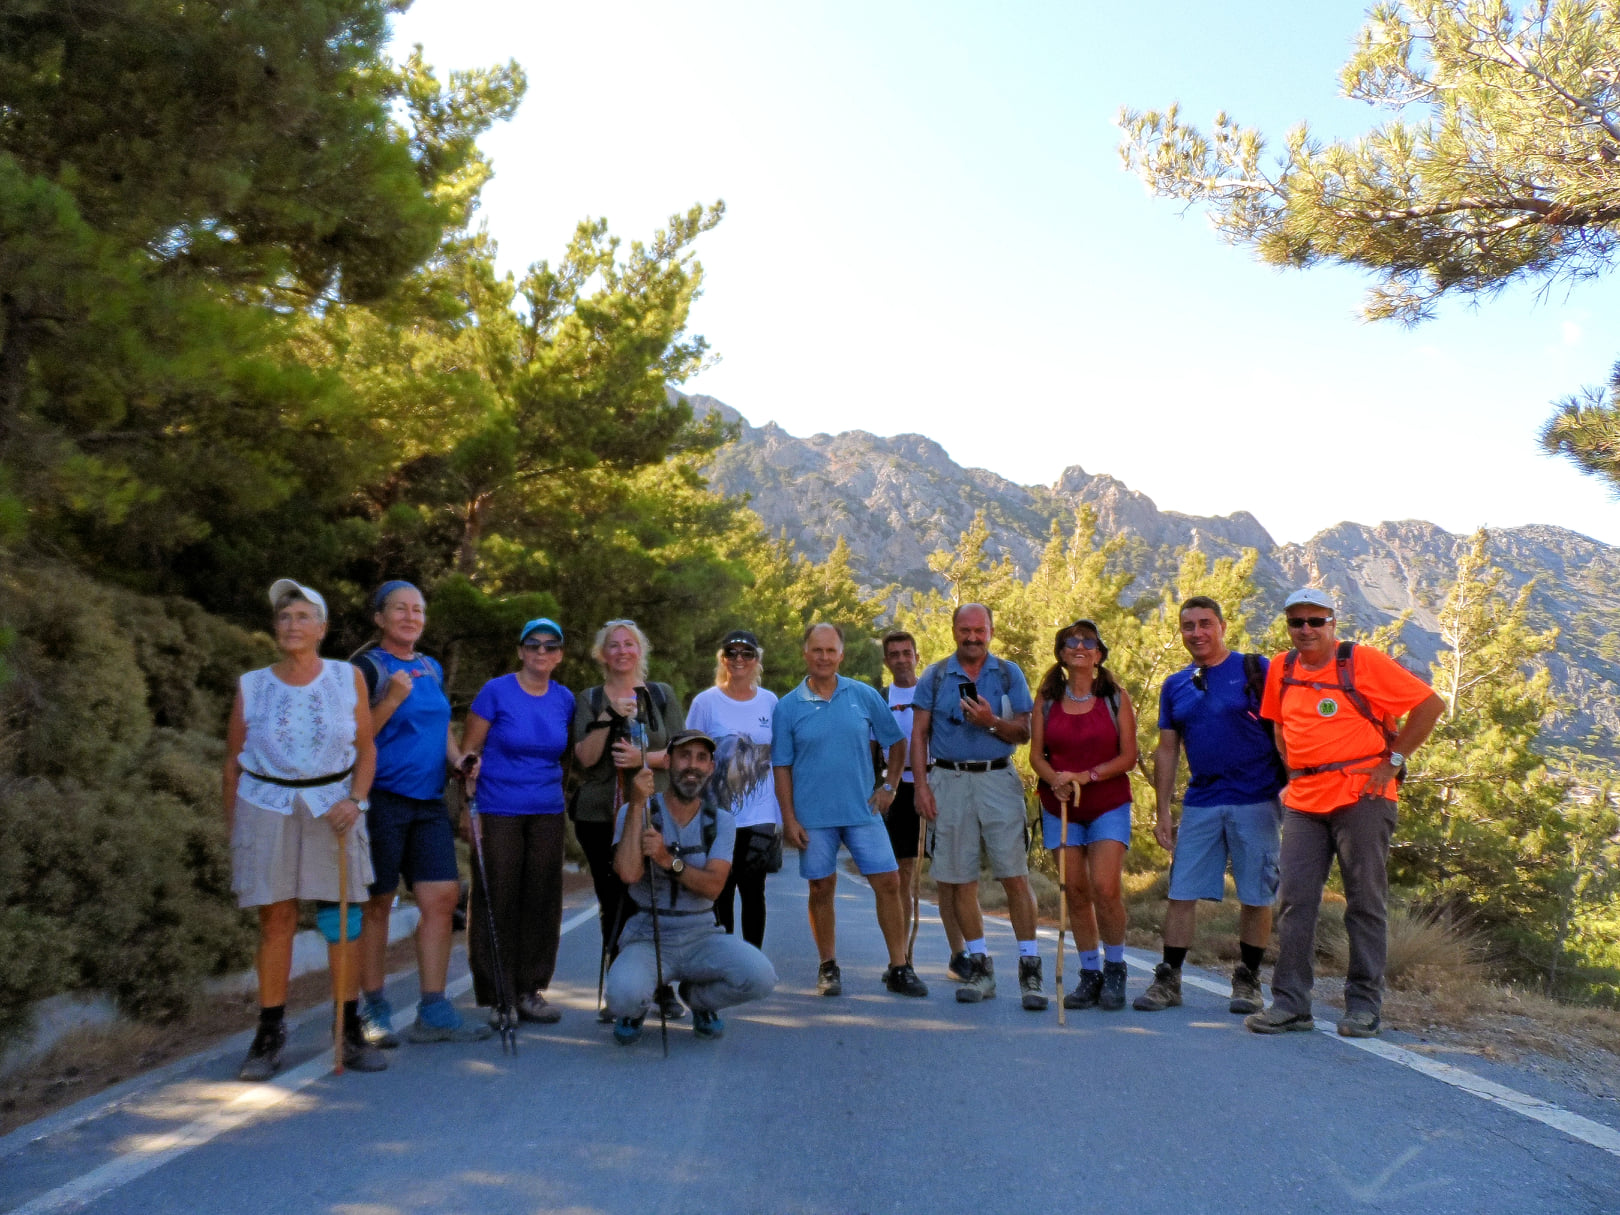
1340,802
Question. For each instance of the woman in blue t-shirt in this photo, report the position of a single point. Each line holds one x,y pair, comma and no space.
518,729
408,820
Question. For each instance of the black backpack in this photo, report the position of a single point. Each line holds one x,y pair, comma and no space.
376,674
1344,668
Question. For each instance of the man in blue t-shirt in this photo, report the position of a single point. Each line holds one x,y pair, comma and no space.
1230,810
823,771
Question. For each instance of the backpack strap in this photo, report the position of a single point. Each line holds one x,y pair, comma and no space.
1344,668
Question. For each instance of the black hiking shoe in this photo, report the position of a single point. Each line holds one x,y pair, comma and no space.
1245,991
264,1056
361,1056
1086,991
1029,984
669,1004
982,986
1112,998
960,967
1164,992
829,979
902,980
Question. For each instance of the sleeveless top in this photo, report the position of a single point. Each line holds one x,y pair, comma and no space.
297,733
1078,742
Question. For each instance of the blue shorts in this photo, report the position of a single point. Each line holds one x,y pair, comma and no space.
1112,824
1251,835
868,845
410,837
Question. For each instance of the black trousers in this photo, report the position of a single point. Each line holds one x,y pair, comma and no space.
524,856
596,842
752,889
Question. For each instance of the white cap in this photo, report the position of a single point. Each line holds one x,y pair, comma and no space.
286,586
1315,596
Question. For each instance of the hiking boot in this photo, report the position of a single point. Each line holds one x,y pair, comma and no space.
902,980
706,1024
1029,984
361,1056
497,1021
668,1005
604,1016
1086,992
1246,996
1112,998
264,1056
1276,1021
1362,1023
1164,992
960,967
982,984
441,1022
829,979
626,1030
533,1007
377,1022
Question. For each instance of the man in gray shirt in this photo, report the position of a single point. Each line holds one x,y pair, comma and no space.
673,851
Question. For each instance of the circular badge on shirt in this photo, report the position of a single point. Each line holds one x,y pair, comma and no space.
1327,707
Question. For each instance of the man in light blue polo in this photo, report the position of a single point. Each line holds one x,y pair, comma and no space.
970,713
820,739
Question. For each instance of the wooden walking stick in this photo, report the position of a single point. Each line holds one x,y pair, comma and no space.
916,889
341,979
1063,891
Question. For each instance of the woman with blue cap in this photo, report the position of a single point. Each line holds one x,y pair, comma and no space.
411,836
518,730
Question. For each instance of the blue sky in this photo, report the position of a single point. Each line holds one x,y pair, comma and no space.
928,229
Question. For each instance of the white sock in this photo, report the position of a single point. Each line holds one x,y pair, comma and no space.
1029,949
976,946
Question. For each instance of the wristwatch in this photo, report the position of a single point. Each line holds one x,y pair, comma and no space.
1396,759
677,867
364,803
887,787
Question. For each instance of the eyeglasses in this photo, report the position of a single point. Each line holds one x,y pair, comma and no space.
739,652
1316,622
1078,642
550,647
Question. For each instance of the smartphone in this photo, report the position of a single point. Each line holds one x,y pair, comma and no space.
969,690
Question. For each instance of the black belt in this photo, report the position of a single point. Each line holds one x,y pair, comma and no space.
709,910
311,782
971,765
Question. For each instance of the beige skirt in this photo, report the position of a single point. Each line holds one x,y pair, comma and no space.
276,857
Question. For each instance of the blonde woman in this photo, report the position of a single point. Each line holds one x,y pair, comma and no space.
736,713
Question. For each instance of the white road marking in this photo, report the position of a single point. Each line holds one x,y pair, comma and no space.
157,1150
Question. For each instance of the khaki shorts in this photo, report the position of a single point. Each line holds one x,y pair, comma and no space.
276,857
975,807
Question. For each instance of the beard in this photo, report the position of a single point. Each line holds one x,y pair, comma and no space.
689,783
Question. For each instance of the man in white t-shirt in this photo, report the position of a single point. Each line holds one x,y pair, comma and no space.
736,713
905,832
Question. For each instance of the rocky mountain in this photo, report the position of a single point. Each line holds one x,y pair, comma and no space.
895,500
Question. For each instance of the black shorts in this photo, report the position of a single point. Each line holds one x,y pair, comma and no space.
902,822
410,838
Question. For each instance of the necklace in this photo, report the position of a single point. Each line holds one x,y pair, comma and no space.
1068,694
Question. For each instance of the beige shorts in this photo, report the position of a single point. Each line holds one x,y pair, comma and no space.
276,857
975,808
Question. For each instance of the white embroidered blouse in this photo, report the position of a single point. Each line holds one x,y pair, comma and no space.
296,734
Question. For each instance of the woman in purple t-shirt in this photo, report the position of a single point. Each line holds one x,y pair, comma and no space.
518,729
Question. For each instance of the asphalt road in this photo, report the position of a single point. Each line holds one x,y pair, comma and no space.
864,1103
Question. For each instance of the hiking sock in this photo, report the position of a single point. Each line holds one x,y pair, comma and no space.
371,997
1252,955
273,1016
1174,956
1114,953
1091,959
430,998
351,1020
978,946
1029,949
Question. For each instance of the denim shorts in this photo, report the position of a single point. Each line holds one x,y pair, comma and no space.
868,845
410,838
1251,835
1112,824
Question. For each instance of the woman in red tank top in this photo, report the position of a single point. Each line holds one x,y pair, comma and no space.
1083,744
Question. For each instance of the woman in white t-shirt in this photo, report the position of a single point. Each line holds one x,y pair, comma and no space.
736,713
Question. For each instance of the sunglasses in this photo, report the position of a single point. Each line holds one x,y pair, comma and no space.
740,652
550,647
1200,680
1316,622
1081,643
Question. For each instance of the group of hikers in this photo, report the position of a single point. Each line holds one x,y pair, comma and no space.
336,776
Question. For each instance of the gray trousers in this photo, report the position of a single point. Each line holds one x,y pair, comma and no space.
1359,836
720,970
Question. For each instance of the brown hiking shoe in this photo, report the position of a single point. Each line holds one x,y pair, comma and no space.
982,986
1164,992
1246,996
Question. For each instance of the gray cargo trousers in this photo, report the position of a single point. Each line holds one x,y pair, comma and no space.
720,970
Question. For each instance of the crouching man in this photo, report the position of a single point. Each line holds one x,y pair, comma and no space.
673,852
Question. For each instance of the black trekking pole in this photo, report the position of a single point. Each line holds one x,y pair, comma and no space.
616,733
639,737
505,1008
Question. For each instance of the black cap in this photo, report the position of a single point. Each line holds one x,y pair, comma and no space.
681,737
740,637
